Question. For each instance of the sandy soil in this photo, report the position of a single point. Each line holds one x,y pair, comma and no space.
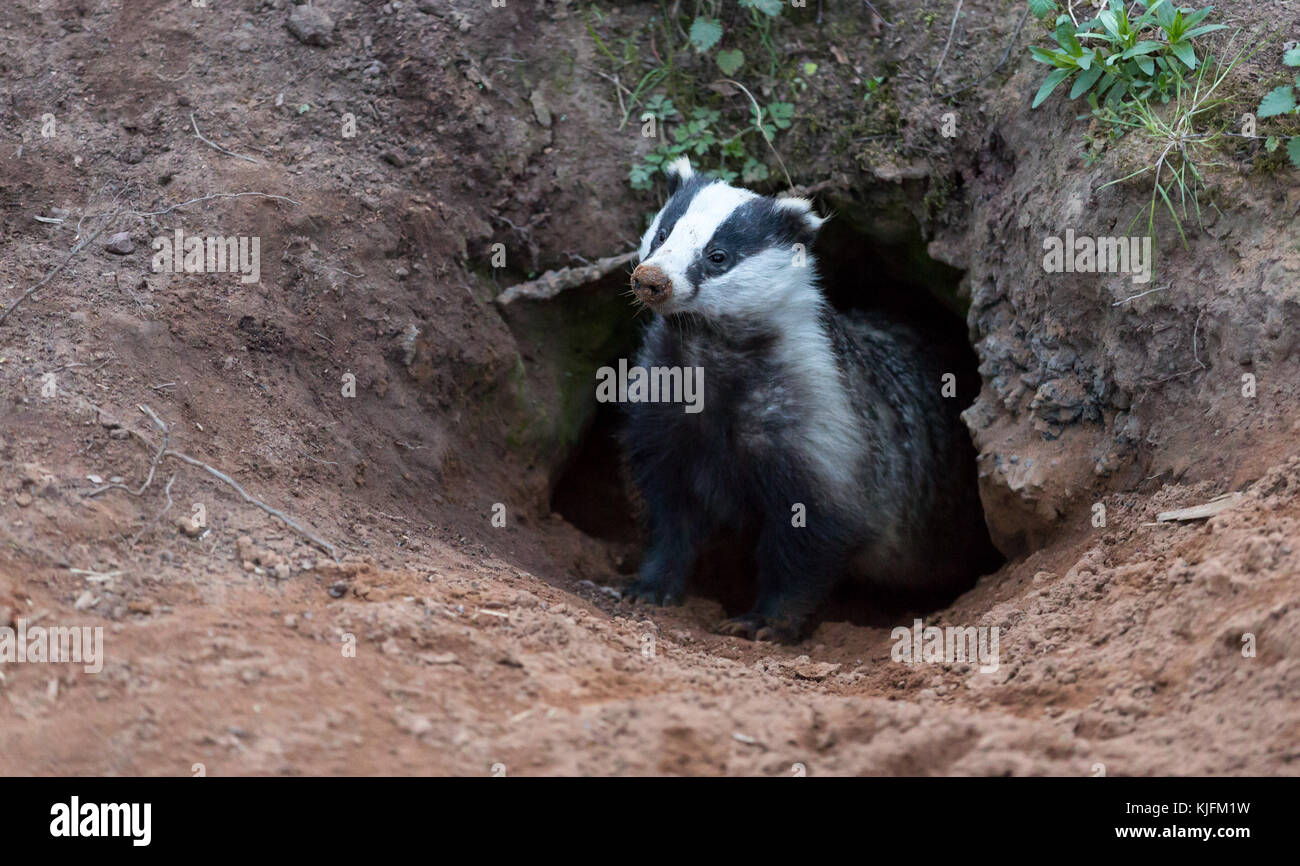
438,642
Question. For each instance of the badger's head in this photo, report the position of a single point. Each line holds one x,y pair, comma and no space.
718,251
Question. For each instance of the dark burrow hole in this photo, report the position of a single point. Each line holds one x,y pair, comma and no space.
880,266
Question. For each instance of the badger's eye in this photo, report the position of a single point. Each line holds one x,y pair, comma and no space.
717,257
662,236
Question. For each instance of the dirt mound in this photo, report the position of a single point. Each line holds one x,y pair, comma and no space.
367,388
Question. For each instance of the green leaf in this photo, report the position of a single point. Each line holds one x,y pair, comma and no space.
1279,100
1146,64
1292,57
1271,143
1164,13
1085,81
661,107
781,114
1049,84
1059,59
1201,31
1066,39
641,176
771,8
705,33
1197,17
1183,51
1144,47
753,171
1041,8
706,116
730,61
1107,19
1293,150
810,69
1117,94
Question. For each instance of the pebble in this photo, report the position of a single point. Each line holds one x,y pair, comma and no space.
310,25
120,244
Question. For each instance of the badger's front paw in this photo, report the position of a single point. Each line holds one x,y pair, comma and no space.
757,627
651,590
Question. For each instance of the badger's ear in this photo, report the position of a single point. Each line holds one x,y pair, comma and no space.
679,171
802,209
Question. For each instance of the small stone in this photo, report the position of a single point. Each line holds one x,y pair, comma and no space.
290,621
541,110
185,525
23,499
140,606
310,25
282,571
85,600
338,590
412,724
120,244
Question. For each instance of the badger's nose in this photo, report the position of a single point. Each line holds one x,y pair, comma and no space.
651,285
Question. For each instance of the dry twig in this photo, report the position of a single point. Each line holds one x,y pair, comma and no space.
551,283
213,144
951,30
164,451
63,264
159,516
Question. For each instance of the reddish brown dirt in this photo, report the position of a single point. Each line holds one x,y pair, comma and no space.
478,649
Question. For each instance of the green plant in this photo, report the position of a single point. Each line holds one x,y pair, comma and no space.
1283,100
873,84
1182,138
673,86
1126,58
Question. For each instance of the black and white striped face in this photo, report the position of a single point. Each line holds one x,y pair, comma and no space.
717,250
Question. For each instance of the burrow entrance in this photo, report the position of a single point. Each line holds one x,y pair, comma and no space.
871,255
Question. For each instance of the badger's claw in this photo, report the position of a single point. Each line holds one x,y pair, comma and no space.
651,592
757,627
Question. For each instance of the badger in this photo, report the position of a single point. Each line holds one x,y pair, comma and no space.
825,436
